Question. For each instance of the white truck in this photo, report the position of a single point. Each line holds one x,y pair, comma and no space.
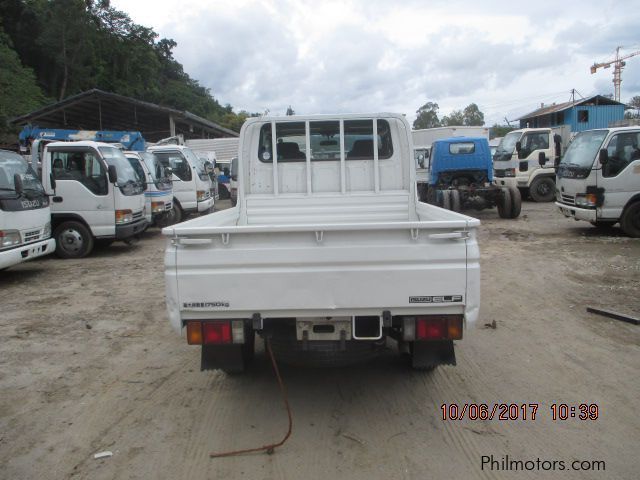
96,196
192,186
526,159
25,221
422,141
598,178
328,252
158,187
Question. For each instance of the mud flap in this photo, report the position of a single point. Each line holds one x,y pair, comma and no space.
229,358
430,354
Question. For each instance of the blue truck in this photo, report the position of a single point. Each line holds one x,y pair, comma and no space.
461,178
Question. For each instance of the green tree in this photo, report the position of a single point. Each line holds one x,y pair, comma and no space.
500,130
19,92
473,117
427,116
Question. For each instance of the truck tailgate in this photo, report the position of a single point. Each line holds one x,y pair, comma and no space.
321,270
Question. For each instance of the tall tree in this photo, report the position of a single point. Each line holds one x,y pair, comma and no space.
19,92
427,116
473,116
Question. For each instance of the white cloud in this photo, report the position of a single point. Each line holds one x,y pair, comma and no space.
358,55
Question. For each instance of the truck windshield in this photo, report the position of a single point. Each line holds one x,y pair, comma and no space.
157,171
128,180
196,162
578,159
506,147
12,163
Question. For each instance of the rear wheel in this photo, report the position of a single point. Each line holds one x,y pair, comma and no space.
630,221
73,240
516,202
542,189
455,200
446,199
504,203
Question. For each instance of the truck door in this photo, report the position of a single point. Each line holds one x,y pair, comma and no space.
82,188
620,177
532,144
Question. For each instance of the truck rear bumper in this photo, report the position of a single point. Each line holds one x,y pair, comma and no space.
26,252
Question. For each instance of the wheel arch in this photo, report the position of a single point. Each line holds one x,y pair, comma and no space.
59,218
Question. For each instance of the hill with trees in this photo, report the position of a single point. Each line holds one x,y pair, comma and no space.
52,49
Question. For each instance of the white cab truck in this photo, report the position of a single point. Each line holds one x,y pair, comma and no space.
328,253
96,196
598,179
25,221
192,185
158,187
526,159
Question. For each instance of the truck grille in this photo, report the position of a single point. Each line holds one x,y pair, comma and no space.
498,173
167,206
568,199
137,215
32,236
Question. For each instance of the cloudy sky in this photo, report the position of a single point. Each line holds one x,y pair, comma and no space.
372,55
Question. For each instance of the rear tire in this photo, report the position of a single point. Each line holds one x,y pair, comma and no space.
504,203
516,202
73,240
446,199
542,189
630,221
455,200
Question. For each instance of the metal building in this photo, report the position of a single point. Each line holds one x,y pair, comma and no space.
584,114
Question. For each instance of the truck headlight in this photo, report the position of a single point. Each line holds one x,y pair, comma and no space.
586,200
157,207
124,216
510,172
46,233
9,238
203,195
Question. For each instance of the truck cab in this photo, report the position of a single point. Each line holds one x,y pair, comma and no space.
158,187
96,196
598,179
192,185
526,159
460,178
25,222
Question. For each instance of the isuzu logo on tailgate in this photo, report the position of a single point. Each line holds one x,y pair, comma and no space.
437,299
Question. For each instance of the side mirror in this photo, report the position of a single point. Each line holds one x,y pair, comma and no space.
168,171
603,156
113,174
17,183
52,181
518,146
542,159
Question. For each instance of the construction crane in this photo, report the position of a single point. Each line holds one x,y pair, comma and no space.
618,64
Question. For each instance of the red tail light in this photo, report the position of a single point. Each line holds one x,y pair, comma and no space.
445,327
431,328
216,332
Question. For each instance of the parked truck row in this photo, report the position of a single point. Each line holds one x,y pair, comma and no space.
109,186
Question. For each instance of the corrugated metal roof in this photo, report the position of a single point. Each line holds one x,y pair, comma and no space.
599,100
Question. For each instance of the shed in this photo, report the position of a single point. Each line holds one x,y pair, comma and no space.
585,114
99,110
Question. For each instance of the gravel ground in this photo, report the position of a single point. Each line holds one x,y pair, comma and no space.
89,363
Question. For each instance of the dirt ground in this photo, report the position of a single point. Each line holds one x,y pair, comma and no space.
88,362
